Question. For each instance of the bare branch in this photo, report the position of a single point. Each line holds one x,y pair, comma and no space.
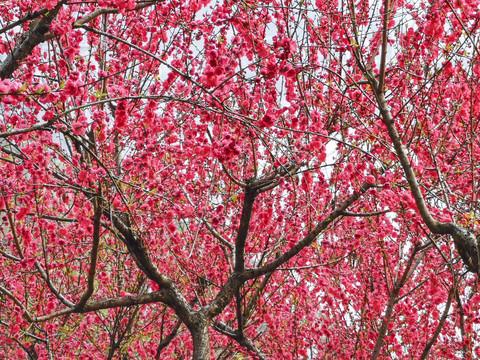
94,252
243,229
375,213
240,338
44,126
163,296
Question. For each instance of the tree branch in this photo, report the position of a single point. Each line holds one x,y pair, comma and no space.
167,339
383,56
17,302
44,126
27,17
94,253
465,241
103,11
392,300
242,233
309,238
52,288
440,324
375,213
240,338
28,42
163,296
239,277
144,262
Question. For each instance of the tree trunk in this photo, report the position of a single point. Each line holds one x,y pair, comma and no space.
201,339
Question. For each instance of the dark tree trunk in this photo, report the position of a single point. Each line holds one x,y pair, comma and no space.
201,339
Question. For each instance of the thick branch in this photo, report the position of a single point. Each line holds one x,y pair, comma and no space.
434,226
26,18
141,257
243,229
163,296
94,253
240,319
238,278
44,126
465,241
28,42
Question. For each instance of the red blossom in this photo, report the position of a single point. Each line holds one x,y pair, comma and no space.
225,168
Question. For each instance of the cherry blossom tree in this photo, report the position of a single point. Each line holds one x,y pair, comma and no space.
239,179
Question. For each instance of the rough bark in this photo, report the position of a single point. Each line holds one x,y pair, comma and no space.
199,327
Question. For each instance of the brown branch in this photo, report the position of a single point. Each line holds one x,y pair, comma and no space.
52,287
434,226
392,300
441,323
167,339
29,16
9,256
17,302
139,253
253,300
383,55
244,341
97,204
242,233
44,126
227,292
55,218
163,296
217,235
465,241
309,238
461,315
233,178
375,213
11,222
240,317
103,11
28,42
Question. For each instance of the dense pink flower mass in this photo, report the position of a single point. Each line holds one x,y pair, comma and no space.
239,179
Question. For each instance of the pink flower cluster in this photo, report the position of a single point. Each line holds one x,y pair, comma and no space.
226,149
